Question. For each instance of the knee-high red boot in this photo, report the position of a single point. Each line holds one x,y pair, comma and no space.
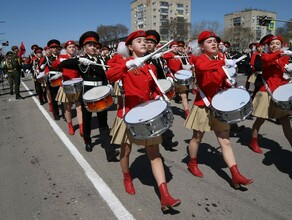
81,129
129,187
70,128
255,146
237,178
166,199
193,167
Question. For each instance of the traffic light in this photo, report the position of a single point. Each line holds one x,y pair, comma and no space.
264,21
5,44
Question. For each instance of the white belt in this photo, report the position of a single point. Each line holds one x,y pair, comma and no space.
92,83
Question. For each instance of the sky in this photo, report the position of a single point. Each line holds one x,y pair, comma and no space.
37,22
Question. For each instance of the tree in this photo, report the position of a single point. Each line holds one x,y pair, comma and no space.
285,31
111,33
198,27
177,28
239,37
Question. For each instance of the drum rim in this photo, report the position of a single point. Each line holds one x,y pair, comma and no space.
102,97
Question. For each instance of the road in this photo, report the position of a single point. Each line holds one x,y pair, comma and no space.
47,174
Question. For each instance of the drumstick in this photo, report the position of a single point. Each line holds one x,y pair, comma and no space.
98,64
240,58
159,87
147,57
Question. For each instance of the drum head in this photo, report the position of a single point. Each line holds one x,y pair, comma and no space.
145,111
96,93
230,99
165,84
72,81
183,74
283,93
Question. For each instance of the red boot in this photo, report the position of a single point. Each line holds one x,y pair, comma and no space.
193,167
81,129
187,112
237,178
166,199
129,187
254,146
70,128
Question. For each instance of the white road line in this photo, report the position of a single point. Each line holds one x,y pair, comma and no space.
102,188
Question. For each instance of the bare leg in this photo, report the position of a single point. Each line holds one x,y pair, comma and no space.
125,157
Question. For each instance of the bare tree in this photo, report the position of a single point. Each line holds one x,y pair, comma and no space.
239,37
198,27
177,28
111,33
285,31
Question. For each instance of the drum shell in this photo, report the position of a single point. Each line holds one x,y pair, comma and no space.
74,87
235,115
152,127
99,104
285,100
167,87
56,80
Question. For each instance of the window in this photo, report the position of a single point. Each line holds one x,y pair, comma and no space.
237,21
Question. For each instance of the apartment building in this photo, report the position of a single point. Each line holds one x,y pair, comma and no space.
154,14
244,26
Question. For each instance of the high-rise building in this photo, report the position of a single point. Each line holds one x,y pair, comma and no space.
154,14
243,27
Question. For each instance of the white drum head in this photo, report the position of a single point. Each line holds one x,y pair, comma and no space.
68,82
183,74
230,99
96,93
145,111
283,93
164,84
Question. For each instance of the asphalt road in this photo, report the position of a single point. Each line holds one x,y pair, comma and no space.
47,174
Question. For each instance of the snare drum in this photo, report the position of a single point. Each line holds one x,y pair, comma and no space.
183,77
232,105
73,86
98,99
167,87
149,119
282,96
56,80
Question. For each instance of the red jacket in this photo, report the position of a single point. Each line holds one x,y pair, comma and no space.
273,70
210,76
67,73
174,64
138,84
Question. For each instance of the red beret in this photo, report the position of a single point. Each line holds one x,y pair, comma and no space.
277,37
133,35
69,42
207,34
172,44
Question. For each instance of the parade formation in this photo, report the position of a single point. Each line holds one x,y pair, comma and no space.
142,77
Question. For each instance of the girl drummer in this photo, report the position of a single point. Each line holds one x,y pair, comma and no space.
273,68
68,99
138,86
210,79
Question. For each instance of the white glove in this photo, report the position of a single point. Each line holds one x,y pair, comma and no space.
230,63
231,81
156,56
287,52
135,63
85,61
288,67
111,88
43,66
177,56
170,79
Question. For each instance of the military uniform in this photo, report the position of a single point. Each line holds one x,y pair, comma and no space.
93,76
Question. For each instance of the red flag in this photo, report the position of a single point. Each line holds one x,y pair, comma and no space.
21,49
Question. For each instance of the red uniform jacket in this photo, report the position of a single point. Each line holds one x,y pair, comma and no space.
273,70
67,73
138,84
210,76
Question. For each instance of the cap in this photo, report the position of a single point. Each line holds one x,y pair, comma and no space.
106,48
87,37
14,48
173,43
9,53
207,34
277,37
226,43
69,42
34,46
38,50
264,38
181,43
153,35
53,43
251,45
133,35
